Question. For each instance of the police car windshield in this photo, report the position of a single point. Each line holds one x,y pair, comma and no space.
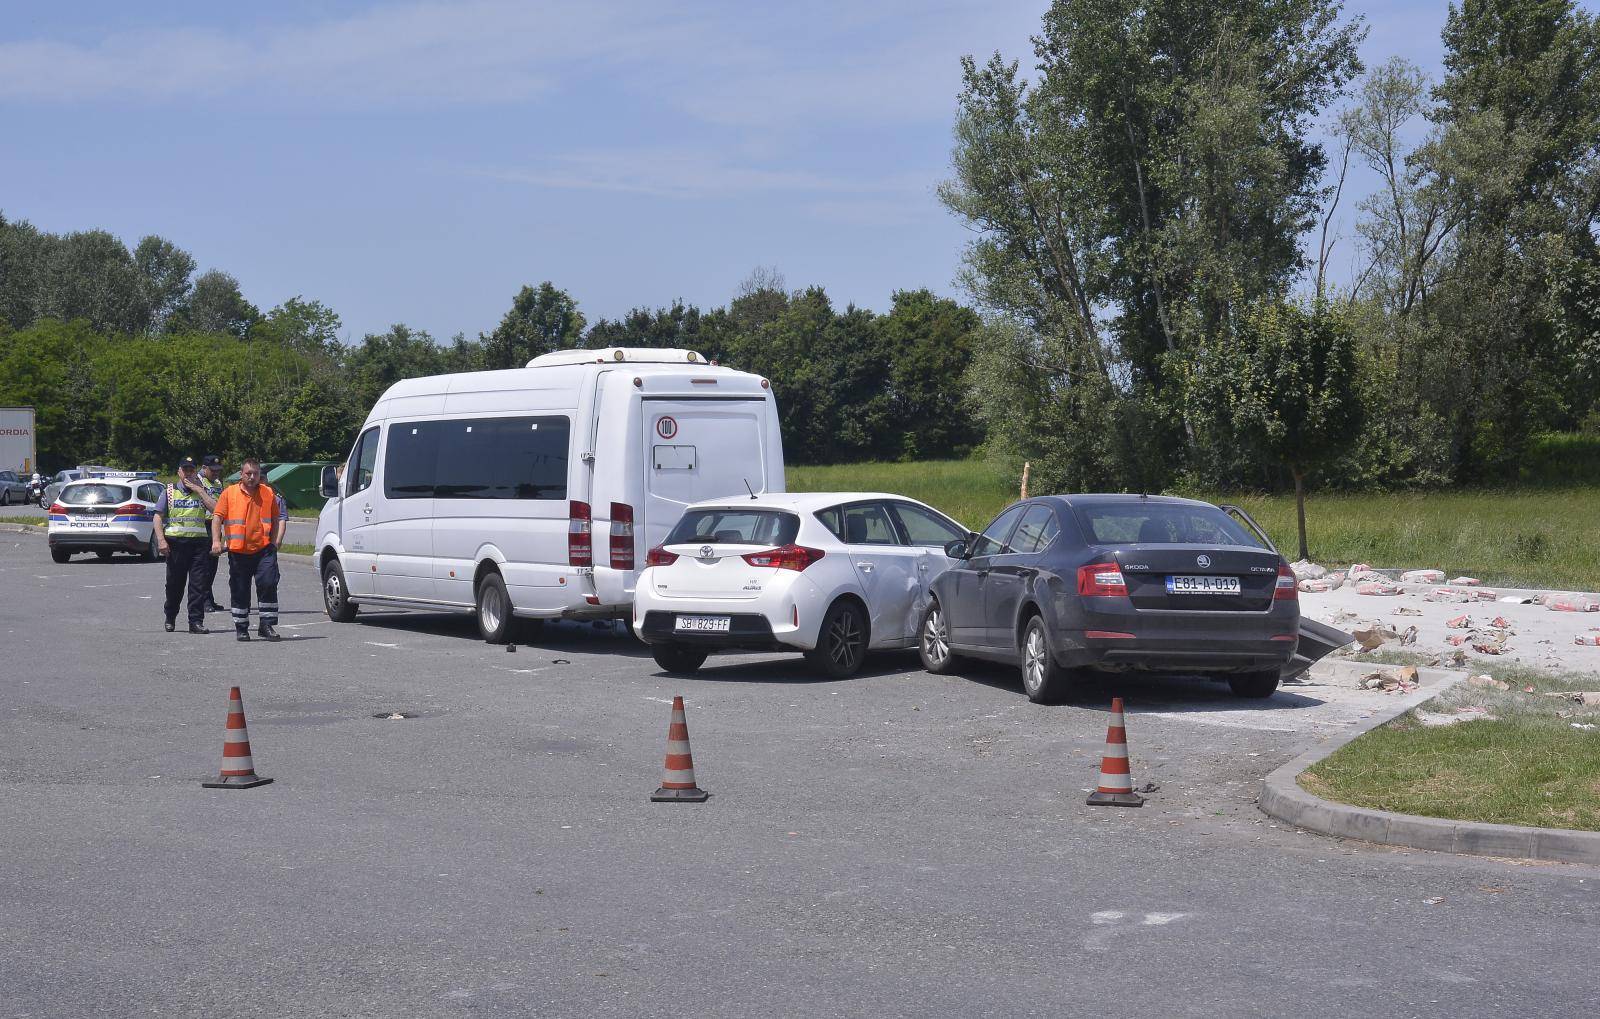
95,493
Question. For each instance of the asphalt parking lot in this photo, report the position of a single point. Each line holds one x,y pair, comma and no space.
893,844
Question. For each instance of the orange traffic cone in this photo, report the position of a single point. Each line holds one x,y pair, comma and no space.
678,785
238,769
1116,784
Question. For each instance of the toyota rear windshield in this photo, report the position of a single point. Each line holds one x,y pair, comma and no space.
95,494
767,528
1147,523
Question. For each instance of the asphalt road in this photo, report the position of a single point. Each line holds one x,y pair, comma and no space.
896,844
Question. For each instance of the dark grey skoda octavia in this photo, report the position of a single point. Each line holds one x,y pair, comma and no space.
1061,584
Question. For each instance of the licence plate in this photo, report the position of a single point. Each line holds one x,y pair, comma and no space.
1202,585
704,624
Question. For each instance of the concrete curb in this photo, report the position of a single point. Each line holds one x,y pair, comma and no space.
1283,798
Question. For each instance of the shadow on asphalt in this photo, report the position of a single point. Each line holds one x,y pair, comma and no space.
1167,692
555,635
728,668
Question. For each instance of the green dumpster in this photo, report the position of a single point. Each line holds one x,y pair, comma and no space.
298,483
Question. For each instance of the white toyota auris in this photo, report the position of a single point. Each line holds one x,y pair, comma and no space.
832,574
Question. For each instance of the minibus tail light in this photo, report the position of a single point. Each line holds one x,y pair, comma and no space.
580,540
621,536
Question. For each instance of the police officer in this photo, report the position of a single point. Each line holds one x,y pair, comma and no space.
249,524
182,519
211,478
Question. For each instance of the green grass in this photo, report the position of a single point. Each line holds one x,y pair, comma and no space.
292,548
26,521
1521,770
1547,538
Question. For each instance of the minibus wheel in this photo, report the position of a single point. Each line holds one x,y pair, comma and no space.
494,609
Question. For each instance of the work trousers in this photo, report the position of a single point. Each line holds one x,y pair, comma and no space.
208,579
261,567
186,559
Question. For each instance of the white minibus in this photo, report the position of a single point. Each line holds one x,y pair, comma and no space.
535,492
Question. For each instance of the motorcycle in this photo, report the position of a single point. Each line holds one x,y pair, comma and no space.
36,487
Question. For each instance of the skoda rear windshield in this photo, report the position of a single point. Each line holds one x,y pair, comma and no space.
90,494
768,528
1138,522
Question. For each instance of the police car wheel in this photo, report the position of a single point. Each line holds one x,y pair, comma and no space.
60,555
152,550
5,497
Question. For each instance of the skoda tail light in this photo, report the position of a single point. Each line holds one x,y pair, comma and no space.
1286,589
1102,580
785,557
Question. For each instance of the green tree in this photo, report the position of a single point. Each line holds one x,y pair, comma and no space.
541,319
925,344
165,270
1286,381
215,305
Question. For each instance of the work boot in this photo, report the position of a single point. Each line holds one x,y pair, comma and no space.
212,606
171,623
198,628
267,632
241,633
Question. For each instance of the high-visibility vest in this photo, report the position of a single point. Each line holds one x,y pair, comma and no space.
187,516
247,522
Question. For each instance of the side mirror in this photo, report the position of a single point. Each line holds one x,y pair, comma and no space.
956,549
330,482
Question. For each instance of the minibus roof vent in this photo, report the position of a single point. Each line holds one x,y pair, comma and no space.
612,355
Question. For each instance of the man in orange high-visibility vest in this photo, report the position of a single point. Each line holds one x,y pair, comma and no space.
248,522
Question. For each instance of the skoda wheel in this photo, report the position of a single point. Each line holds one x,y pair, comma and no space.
1254,685
842,641
1043,680
933,640
336,593
494,609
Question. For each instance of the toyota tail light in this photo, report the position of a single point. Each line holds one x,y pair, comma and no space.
659,556
1102,580
580,537
1287,588
785,557
621,536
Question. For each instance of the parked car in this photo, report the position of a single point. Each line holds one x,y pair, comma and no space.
1063,584
830,574
13,488
52,490
111,511
527,492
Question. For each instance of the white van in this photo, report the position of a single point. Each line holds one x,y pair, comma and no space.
536,491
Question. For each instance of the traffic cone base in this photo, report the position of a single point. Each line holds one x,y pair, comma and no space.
678,784
1116,782
236,782
665,795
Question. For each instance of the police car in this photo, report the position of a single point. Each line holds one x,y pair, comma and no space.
106,512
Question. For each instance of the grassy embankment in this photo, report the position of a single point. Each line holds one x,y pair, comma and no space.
1546,534
1524,763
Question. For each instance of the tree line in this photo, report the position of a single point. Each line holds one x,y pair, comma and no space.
132,359
1170,300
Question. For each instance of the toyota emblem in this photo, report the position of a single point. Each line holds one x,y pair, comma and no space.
705,551
1204,562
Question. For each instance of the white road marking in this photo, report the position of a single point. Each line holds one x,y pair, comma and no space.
374,643
659,700
314,622
1161,919
1108,922
1107,916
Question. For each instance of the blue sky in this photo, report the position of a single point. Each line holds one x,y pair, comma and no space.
418,162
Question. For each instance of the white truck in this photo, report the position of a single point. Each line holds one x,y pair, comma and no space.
537,491
18,450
